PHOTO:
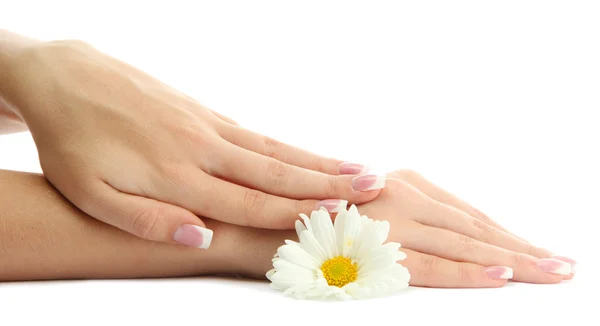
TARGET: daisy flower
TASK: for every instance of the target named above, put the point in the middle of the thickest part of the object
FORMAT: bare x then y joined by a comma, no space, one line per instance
344,260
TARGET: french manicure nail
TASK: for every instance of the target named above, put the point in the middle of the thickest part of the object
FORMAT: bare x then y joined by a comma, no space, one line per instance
352,168
565,259
499,272
333,205
368,182
554,266
193,236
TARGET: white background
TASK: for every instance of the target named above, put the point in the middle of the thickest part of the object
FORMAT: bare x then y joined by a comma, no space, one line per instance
495,101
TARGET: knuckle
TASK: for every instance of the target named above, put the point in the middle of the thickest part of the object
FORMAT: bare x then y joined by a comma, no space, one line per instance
254,207
173,173
270,146
397,185
407,175
194,135
277,172
67,46
320,163
400,190
464,274
531,250
333,186
484,231
302,206
465,245
427,266
517,259
145,220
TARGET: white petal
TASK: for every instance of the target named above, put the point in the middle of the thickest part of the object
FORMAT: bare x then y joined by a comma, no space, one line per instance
340,228
324,232
298,256
283,264
270,273
390,248
291,243
306,221
320,290
400,255
312,246
299,227
300,290
382,229
395,276
289,278
372,235
351,232
376,263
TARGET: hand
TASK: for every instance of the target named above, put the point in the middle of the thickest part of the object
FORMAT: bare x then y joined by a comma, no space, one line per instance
139,155
36,218
451,244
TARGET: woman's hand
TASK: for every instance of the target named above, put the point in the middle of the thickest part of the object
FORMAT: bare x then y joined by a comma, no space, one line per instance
47,238
137,154
451,244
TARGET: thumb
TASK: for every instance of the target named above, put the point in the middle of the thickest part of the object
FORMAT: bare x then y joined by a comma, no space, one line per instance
148,218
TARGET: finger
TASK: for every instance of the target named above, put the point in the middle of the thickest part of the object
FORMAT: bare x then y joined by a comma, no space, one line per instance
147,218
282,152
431,271
224,118
282,179
571,261
443,196
447,217
228,202
458,247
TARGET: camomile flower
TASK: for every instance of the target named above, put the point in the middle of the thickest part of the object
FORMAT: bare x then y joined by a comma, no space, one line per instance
344,260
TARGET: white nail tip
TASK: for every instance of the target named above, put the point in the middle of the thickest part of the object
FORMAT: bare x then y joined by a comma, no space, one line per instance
555,266
364,170
508,274
341,206
379,183
207,236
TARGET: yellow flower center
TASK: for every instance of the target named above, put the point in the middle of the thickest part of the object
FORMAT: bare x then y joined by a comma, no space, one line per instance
339,271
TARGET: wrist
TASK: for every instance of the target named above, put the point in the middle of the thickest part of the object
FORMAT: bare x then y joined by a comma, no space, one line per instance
12,48
245,251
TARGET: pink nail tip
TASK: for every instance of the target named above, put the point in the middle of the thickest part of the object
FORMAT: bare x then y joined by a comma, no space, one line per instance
499,272
565,259
193,236
333,205
368,182
352,168
554,266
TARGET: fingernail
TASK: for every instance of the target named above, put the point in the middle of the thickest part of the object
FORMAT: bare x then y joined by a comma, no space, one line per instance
352,168
333,205
368,182
499,272
193,236
565,259
554,266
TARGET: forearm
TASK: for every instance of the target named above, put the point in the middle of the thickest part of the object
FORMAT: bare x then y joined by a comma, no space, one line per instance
11,47
42,236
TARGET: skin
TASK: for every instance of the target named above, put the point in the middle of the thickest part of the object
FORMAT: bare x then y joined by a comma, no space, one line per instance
118,146
137,154
44,236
